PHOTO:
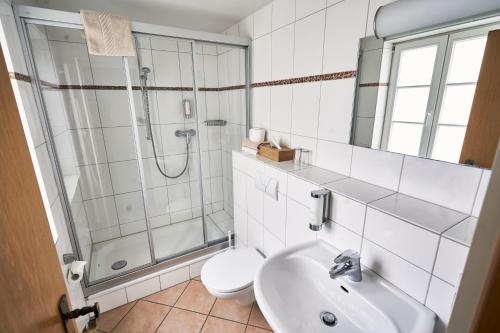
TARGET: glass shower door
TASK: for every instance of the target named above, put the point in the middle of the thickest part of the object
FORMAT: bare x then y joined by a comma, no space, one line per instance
167,122
87,110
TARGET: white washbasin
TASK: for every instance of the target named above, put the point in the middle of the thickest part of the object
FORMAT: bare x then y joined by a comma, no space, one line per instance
293,288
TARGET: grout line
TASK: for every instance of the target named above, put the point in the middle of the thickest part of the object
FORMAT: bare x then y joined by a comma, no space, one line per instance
432,270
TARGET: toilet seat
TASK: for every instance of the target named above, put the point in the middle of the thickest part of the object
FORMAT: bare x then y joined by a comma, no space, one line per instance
231,271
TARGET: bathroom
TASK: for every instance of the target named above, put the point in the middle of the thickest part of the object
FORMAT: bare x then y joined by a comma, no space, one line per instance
251,166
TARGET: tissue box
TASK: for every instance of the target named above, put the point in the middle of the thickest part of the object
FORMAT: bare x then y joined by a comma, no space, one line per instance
275,154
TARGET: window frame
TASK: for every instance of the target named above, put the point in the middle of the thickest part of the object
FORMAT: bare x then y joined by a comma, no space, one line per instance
437,86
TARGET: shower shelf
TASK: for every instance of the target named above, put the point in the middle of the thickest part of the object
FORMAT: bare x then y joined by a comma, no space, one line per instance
218,122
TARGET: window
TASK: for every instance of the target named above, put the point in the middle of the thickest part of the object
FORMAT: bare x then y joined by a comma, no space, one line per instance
432,86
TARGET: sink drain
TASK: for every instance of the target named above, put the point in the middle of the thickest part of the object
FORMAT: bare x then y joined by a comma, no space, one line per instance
328,318
119,264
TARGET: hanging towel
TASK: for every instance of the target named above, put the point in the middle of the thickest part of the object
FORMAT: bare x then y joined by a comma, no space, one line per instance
107,35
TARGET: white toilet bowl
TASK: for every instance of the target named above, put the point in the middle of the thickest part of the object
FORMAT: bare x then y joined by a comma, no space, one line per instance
229,275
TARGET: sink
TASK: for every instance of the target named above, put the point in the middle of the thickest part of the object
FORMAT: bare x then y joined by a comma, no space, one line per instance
295,293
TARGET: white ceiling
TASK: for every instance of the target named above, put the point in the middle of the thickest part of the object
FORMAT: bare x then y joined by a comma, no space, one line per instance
205,15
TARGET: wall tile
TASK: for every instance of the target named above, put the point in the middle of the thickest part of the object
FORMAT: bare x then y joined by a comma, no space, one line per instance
109,301
262,21
308,52
401,273
345,25
443,183
239,189
412,243
195,268
119,143
340,237
347,212
142,289
255,234
114,108
450,261
283,13
255,201
377,167
307,7
246,27
240,224
89,146
95,181
101,212
166,67
275,216
282,49
297,224
481,192
300,190
125,176
261,106
305,109
271,243
281,108
174,277
336,107
440,299
334,156
262,59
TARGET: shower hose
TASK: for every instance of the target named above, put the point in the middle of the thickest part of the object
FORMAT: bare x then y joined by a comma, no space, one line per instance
150,128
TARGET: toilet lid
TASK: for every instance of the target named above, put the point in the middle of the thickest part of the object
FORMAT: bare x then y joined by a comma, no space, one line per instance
231,271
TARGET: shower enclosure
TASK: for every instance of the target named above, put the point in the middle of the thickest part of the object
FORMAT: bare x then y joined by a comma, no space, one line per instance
141,145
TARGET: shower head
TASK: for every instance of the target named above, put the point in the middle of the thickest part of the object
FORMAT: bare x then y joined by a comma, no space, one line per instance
144,76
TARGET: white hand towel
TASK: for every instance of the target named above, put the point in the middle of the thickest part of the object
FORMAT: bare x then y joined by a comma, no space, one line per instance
107,35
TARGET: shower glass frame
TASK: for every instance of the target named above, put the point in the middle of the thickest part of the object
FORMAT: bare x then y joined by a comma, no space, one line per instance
26,15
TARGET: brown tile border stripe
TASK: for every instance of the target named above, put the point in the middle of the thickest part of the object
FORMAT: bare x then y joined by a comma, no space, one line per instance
302,79
19,76
305,79
374,84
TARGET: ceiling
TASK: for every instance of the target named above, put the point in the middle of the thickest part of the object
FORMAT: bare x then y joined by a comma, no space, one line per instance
204,15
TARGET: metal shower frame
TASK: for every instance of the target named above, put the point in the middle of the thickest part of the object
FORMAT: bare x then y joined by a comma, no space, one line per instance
33,15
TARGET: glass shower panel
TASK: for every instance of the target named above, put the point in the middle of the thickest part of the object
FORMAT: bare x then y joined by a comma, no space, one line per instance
88,113
170,144
222,120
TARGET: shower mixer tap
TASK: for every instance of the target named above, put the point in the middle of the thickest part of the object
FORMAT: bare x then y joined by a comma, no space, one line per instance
187,133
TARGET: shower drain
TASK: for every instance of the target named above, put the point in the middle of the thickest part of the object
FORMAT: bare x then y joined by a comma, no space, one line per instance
119,264
328,318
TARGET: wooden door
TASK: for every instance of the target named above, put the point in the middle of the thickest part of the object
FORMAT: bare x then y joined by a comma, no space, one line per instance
31,282
483,130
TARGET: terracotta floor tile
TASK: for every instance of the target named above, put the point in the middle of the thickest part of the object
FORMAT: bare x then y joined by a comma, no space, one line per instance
217,325
168,296
144,317
109,319
252,329
182,321
232,310
196,298
257,318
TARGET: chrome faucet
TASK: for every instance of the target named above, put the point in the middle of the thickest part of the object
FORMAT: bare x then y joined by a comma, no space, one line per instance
347,263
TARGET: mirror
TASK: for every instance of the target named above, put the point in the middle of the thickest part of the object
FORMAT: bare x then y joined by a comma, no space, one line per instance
415,95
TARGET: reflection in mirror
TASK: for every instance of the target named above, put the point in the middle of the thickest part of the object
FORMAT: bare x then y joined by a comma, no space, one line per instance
415,96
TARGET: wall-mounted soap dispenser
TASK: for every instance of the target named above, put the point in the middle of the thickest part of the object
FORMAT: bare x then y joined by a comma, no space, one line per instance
319,209
187,108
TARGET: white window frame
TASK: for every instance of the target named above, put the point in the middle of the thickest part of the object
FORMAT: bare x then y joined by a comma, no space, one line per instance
444,43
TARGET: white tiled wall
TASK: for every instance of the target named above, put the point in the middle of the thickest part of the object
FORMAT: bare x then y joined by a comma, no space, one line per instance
405,240
295,38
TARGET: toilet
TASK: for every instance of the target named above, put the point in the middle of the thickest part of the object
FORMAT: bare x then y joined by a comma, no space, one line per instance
230,274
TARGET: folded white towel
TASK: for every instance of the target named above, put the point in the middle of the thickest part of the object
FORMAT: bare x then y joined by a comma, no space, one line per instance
107,35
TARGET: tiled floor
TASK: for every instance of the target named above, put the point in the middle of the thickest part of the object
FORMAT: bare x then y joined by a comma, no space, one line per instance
184,308
168,240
